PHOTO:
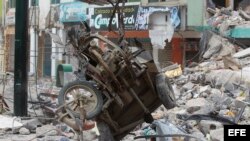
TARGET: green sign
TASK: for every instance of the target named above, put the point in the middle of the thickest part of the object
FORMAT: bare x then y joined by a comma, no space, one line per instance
101,16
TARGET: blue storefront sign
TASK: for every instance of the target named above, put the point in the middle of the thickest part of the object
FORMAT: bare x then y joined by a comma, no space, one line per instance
73,12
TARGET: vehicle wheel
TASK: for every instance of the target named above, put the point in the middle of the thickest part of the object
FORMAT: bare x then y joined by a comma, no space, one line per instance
105,132
165,91
91,98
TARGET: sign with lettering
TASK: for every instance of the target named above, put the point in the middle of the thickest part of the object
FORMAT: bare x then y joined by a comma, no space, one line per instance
11,17
135,17
101,16
73,12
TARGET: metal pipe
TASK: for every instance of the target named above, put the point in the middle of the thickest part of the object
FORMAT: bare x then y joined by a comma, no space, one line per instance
106,67
21,58
135,96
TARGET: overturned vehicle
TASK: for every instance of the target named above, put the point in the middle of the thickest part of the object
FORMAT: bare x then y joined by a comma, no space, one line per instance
118,88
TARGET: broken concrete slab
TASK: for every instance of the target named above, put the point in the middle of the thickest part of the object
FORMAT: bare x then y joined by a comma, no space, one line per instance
46,130
242,53
9,122
231,63
227,49
31,124
214,46
206,88
206,110
206,126
197,134
24,131
188,86
216,96
217,135
196,104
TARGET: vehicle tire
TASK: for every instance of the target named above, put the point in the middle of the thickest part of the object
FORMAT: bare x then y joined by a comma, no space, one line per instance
83,89
105,132
165,91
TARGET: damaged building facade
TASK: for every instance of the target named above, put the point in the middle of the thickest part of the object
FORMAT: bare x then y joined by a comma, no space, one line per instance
201,45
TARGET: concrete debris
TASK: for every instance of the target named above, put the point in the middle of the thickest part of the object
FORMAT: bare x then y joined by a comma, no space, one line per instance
224,19
188,86
217,135
46,130
214,91
198,135
24,131
9,122
31,124
206,126
242,53
219,47
196,104
214,46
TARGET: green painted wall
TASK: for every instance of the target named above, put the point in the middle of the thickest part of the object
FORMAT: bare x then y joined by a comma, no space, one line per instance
240,32
134,0
195,12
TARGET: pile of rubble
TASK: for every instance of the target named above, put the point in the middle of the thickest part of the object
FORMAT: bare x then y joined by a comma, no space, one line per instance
209,94
225,19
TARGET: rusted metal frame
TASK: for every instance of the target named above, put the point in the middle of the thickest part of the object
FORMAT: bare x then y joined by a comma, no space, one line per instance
106,67
130,126
132,92
119,11
141,68
116,6
115,96
150,83
91,69
109,1
96,76
141,72
72,122
119,100
109,101
68,121
101,83
107,118
115,47
122,68
121,22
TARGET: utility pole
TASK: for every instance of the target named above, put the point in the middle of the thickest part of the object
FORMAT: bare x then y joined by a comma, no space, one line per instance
21,58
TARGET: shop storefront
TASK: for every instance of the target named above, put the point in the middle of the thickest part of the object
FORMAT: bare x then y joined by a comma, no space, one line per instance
137,24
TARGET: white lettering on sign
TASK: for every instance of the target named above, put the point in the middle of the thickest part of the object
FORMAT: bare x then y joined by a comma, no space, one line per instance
100,21
236,132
